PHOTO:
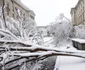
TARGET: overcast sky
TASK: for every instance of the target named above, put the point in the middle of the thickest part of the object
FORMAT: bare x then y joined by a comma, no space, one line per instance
47,10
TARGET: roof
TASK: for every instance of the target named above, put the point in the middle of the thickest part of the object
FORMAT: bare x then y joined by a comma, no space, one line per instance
75,5
79,40
32,12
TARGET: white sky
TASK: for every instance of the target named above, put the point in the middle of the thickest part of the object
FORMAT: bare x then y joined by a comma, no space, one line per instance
47,10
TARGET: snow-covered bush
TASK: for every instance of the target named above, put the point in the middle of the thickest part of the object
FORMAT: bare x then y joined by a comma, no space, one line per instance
79,31
61,29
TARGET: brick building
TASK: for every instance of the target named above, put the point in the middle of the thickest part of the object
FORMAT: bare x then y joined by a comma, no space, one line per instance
78,13
16,9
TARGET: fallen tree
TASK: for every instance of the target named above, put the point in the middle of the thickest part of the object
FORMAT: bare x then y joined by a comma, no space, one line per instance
14,53
35,52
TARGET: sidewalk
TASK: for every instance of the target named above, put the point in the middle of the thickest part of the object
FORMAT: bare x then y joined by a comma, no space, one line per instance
71,63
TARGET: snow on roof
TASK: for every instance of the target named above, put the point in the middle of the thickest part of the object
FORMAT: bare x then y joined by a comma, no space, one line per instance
79,40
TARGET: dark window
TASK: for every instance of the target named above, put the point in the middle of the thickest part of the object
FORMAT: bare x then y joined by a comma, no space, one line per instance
16,13
12,1
13,15
20,12
23,16
13,11
31,16
7,9
15,8
17,16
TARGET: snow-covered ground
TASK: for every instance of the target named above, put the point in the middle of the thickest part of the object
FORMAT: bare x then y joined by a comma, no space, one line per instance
71,63
48,41
68,62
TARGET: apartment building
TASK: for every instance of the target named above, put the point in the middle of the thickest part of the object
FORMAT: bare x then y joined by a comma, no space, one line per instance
78,13
16,9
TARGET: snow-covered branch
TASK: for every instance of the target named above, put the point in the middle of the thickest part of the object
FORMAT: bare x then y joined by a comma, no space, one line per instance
36,50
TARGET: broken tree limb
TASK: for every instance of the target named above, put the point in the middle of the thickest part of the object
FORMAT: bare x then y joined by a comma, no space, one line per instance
45,49
49,53
27,44
44,55
42,48
35,51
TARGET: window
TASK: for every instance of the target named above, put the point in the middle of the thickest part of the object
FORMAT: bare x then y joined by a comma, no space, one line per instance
23,16
17,17
12,1
16,13
83,8
20,12
7,9
31,16
12,11
13,15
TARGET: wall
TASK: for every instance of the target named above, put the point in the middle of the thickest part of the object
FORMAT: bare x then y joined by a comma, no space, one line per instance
16,10
78,13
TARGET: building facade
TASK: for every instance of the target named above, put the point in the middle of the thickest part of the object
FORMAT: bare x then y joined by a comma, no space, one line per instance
78,13
16,9
18,18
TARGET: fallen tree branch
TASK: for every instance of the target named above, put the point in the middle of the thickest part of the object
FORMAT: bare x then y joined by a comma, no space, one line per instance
42,48
41,56
49,53
38,52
